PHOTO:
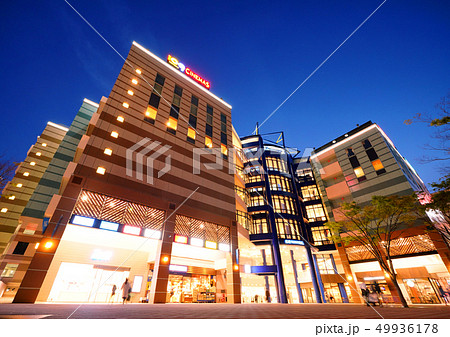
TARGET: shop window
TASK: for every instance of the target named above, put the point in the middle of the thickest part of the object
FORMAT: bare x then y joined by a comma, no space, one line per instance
10,270
172,125
21,247
150,114
208,142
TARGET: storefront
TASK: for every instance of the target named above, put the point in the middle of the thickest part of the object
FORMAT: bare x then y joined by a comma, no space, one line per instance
189,288
422,290
87,283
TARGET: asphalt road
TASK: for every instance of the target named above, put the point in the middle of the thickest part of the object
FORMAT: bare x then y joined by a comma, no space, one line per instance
220,311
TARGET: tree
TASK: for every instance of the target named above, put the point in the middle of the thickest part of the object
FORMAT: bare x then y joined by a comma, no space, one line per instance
375,227
7,169
439,208
442,134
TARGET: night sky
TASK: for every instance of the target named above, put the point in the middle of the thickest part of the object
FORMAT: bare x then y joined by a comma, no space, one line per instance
254,53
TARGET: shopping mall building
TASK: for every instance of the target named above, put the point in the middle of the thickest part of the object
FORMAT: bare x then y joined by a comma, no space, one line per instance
153,184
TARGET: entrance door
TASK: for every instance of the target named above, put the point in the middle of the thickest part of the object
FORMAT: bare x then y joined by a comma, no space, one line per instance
83,283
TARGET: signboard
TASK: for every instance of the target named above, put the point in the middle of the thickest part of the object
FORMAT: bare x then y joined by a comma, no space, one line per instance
188,71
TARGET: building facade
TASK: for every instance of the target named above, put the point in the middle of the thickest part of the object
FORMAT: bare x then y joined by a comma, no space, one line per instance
354,167
138,202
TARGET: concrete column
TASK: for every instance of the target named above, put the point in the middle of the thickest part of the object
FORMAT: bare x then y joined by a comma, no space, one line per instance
158,288
354,290
233,276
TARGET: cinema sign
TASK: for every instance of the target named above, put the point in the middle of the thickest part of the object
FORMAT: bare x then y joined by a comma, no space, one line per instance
186,70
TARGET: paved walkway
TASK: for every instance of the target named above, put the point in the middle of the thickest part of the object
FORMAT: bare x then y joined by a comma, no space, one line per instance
220,311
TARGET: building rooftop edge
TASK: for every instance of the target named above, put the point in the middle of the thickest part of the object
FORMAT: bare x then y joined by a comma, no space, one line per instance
88,101
58,126
148,52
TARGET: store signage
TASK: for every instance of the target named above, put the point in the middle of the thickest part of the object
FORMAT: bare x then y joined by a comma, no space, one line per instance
188,71
174,267
101,255
294,242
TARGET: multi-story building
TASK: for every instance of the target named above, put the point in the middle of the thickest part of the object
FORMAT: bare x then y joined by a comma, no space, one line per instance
354,167
142,199
32,222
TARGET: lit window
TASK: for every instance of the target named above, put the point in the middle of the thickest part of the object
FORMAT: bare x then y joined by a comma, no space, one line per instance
33,163
197,242
223,149
377,165
108,152
19,185
10,270
38,154
101,170
359,172
191,133
26,174
44,144
125,105
138,71
208,142
180,239
120,119
211,244
132,230
224,247
83,221
172,123
4,210
130,92
151,233
134,81
111,226
151,112
12,197
114,134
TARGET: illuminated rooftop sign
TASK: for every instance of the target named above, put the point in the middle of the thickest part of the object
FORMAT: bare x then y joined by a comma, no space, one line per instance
186,70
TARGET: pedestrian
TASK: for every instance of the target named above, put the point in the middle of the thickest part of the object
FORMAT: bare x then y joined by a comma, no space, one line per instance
443,295
113,292
126,289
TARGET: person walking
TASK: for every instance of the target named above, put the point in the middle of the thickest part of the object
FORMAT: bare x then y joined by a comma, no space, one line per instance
126,289
113,292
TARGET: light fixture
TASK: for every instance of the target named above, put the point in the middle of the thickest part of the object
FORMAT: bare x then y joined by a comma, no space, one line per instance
197,242
120,119
48,244
125,105
38,154
101,170
12,197
181,239
84,198
36,245
4,210
138,71
44,144
165,259
130,92
19,185
33,163
349,277
211,244
26,174
236,267
108,151
114,134
134,81
386,275
132,230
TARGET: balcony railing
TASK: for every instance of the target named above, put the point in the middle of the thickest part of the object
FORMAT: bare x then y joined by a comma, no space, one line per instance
244,219
242,193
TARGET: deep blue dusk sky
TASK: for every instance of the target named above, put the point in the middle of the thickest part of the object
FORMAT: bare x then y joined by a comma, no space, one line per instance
254,53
